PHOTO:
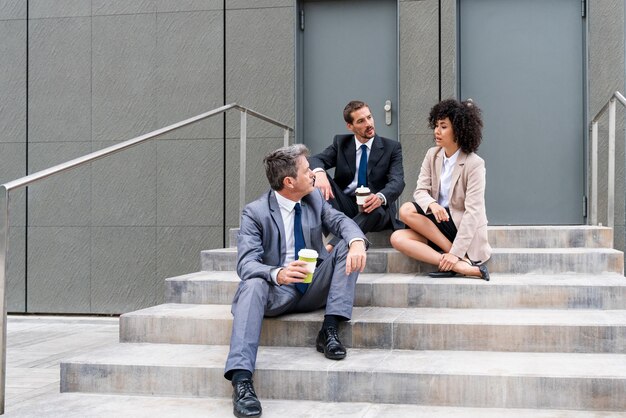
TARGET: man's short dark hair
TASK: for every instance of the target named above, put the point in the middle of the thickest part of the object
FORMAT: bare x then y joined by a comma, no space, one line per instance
351,107
283,163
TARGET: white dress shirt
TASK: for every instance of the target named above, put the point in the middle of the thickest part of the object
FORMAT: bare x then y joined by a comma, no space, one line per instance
446,178
288,213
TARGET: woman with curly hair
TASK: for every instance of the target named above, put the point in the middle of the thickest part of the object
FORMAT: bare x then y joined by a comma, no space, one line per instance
447,223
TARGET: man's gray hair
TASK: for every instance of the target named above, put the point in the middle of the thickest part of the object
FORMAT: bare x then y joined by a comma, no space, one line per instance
283,163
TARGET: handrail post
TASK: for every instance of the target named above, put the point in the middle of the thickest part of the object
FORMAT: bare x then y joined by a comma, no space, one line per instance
4,241
611,165
286,138
594,173
242,160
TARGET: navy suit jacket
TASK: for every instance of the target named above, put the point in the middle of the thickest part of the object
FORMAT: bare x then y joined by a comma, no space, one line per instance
261,240
385,173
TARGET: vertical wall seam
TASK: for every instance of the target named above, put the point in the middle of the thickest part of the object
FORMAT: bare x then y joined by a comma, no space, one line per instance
26,166
439,46
224,125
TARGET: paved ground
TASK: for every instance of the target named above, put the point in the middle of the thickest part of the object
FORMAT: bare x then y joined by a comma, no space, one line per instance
37,344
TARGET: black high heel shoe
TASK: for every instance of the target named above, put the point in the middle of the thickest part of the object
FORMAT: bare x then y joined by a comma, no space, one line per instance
484,273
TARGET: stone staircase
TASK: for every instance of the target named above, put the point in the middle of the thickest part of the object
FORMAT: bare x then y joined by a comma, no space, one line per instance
546,336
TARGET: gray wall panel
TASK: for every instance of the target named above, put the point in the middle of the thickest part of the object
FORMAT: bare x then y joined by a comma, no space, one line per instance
124,69
59,80
62,200
123,188
122,7
606,75
190,171
13,80
58,8
16,272
448,49
190,71
123,269
12,9
419,84
164,6
419,65
13,167
178,249
257,4
58,269
260,67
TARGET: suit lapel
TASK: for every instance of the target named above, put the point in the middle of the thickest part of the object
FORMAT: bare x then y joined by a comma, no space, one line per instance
376,154
278,220
437,173
458,168
348,151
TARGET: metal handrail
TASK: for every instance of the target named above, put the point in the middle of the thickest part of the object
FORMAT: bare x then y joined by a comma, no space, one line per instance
40,175
611,106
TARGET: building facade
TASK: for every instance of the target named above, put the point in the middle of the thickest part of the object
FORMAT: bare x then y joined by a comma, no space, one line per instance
80,75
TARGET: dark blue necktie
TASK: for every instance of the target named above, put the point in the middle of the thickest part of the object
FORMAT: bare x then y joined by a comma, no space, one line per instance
362,179
298,241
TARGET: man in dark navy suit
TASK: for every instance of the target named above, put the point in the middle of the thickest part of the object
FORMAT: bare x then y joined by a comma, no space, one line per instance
362,159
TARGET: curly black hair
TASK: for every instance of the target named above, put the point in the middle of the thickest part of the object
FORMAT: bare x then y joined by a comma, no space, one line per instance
466,122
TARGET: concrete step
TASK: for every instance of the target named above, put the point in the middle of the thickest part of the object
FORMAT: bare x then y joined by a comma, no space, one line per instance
80,405
530,330
552,236
563,291
503,260
442,378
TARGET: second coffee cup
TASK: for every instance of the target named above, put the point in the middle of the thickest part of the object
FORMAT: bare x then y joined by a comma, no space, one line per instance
361,194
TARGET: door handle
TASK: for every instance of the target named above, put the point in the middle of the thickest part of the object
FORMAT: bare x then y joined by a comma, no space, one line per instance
387,108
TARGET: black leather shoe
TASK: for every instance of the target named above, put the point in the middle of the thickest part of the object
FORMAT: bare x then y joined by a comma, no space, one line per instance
329,344
245,402
484,273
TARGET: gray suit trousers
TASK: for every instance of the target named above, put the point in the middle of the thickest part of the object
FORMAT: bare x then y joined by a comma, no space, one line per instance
257,298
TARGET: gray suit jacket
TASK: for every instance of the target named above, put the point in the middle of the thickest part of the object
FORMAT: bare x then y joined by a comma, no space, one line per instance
261,240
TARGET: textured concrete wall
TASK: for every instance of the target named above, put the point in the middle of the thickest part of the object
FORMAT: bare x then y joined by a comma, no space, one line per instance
13,136
606,74
104,237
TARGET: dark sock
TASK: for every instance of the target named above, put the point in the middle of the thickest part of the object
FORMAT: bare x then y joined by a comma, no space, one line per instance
332,321
240,374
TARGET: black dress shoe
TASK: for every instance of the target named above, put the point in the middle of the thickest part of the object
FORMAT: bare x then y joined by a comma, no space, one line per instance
245,402
329,344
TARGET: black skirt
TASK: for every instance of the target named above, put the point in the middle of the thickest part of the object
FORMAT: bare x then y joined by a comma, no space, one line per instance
447,228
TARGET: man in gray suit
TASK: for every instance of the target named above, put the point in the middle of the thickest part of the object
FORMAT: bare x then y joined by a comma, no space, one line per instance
271,274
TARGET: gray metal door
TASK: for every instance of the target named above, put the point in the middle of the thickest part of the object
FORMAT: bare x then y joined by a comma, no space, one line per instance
522,62
348,50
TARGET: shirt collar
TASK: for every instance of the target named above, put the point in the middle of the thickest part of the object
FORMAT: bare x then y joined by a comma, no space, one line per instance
368,144
285,203
452,158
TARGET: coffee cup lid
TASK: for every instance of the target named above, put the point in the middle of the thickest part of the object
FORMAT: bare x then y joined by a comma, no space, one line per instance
307,253
363,189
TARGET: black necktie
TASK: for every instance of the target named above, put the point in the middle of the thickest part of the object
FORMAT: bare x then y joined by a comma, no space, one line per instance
298,241
362,179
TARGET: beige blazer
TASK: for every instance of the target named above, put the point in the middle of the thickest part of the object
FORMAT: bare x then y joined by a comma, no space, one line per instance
467,200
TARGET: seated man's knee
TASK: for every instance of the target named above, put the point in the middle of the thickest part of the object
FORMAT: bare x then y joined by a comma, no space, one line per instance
255,286
407,209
